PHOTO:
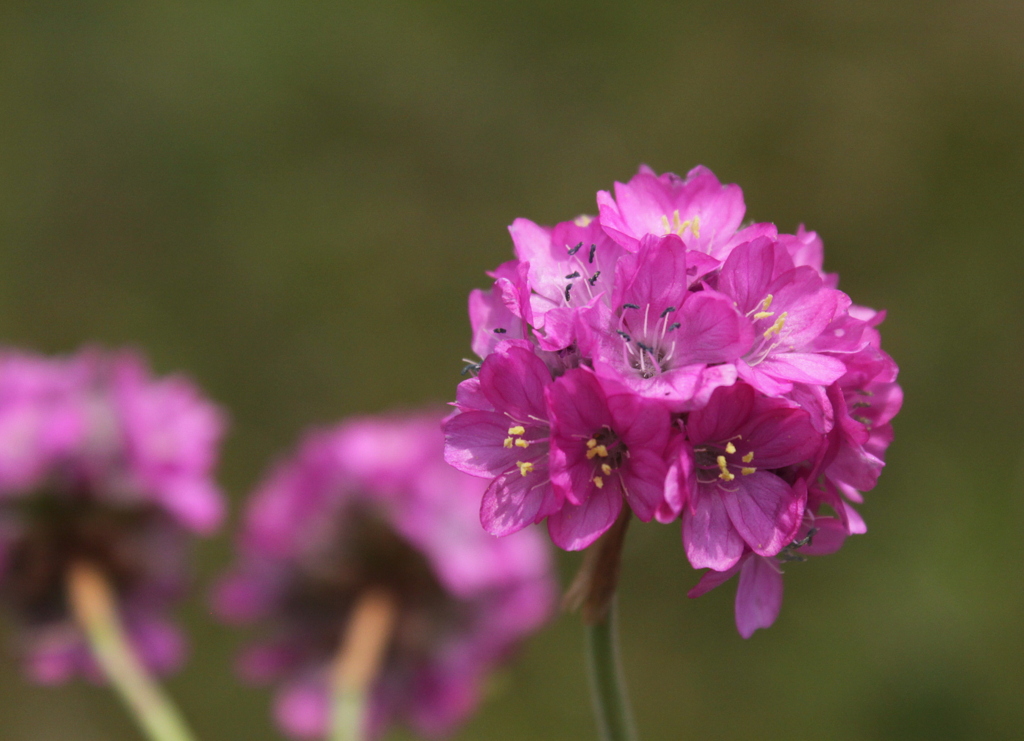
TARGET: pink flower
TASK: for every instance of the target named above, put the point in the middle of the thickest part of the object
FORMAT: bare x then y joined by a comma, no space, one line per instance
777,395
738,492
607,448
370,504
100,462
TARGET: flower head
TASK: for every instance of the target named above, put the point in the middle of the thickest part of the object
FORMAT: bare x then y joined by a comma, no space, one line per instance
665,358
371,505
100,463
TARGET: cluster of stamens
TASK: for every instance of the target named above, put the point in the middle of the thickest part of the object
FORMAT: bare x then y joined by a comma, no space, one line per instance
775,330
647,353
583,270
515,439
710,459
609,452
676,226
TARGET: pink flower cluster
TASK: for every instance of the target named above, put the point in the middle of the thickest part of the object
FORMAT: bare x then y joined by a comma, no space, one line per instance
370,504
102,463
665,357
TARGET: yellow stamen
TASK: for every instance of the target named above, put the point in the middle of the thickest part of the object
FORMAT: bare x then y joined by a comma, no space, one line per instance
525,467
522,443
599,482
764,314
695,227
517,430
766,304
591,443
606,469
730,448
777,327
726,474
600,450
666,225
747,471
508,442
583,220
748,457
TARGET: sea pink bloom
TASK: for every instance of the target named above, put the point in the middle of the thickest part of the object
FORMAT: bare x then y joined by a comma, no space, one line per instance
371,504
788,308
739,491
657,337
699,209
607,449
100,462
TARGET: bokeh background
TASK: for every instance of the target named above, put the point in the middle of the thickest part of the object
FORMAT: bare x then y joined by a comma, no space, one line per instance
290,200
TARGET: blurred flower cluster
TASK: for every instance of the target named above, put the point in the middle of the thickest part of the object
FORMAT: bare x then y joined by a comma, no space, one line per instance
100,463
664,357
371,505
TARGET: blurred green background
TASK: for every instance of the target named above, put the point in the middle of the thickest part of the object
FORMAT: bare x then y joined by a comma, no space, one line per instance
290,201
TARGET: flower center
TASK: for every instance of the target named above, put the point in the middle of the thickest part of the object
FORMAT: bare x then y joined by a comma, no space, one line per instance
720,461
648,347
677,227
769,326
607,452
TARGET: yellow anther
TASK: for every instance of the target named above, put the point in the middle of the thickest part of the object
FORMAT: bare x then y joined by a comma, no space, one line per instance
764,314
748,457
597,450
583,220
777,327
730,448
525,467
599,482
591,443
666,225
726,474
520,443
606,469
695,227
517,430
766,304
747,471
508,442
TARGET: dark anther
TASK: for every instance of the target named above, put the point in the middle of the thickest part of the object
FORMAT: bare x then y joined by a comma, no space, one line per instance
805,540
649,350
470,368
567,289
574,250
593,279
593,249
500,330
673,325
570,276
667,311
630,306
624,336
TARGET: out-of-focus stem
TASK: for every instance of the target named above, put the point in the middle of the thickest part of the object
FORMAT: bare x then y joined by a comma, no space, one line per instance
94,607
611,703
363,647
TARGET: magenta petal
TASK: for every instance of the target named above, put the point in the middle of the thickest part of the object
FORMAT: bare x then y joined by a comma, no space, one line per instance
303,710
712,330
804,367
513,501
643,483
712,579
575,527
765,511
513,380
710,540
758,596
474,443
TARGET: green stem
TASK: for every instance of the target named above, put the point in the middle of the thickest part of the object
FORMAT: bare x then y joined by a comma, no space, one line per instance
94,606
611,704
347,713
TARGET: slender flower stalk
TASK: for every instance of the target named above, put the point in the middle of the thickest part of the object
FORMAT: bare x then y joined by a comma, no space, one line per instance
94,607
363,648
611,703
593,592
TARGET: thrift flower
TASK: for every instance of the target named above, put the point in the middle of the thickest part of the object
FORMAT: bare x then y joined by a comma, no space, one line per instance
741,390
371,506
103,464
